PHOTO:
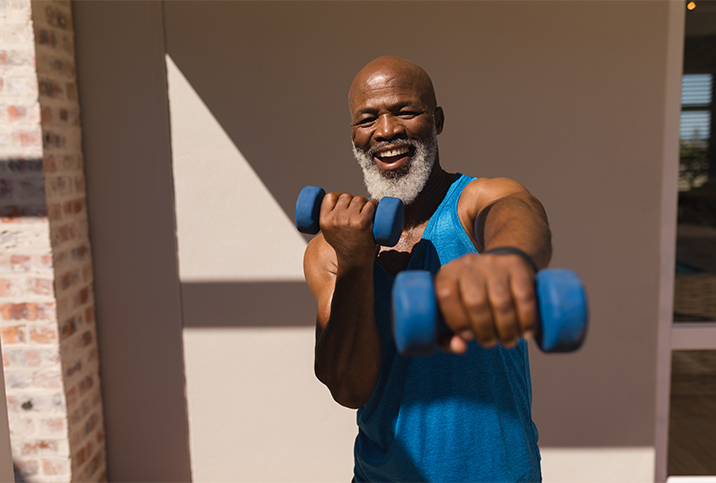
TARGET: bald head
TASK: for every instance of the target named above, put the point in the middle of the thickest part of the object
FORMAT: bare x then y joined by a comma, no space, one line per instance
391,71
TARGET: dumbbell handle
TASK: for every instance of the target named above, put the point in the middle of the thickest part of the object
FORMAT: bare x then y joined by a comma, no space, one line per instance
387,222
561,322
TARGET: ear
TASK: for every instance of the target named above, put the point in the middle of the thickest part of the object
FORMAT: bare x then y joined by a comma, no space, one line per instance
439,119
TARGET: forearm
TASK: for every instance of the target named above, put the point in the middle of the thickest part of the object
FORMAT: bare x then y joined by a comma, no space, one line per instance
348,353
518,221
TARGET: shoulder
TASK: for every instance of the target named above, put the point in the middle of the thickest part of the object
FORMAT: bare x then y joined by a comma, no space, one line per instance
482,192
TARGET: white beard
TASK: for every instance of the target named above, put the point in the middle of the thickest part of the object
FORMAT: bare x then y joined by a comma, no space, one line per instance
405,183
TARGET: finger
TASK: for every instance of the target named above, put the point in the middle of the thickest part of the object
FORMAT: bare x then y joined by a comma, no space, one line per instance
369,207
525,301
451,343
344,201
503,311
457,345
450,305
329,202
357,203
475,300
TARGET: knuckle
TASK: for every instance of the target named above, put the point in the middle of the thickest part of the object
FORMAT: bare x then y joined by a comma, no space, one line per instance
524,297
476,303
332,196
502,305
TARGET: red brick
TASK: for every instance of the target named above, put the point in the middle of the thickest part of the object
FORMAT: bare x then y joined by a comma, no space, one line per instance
39,447
27,311
21,357
47,381
6,311
54,212
53,424
89,314
86,384
81,297
71,397
16,112
43,334
28,139
56,467
14,334
6,288
33,358
41,286
46,115
50,163
86,339
22,426
80,456
20,263
75,417
69,327
46,260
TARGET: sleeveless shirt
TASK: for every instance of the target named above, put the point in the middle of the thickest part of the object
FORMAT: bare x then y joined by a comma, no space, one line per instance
446,417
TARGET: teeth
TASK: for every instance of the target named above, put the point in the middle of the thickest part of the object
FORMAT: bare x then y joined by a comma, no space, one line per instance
394,152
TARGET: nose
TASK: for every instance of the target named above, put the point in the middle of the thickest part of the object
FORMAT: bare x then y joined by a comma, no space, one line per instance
388,127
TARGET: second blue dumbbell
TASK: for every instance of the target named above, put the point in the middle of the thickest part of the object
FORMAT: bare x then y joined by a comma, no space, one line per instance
562,313
387,223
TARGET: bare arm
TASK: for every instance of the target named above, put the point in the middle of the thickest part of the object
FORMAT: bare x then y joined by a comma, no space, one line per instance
339,270
491,297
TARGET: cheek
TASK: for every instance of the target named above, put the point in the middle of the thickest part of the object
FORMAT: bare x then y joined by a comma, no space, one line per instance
360,140
420,130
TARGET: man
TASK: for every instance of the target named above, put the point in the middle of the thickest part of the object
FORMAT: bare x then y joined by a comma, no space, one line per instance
462,414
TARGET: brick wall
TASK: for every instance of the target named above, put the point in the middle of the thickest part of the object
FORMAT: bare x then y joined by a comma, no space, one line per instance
46,301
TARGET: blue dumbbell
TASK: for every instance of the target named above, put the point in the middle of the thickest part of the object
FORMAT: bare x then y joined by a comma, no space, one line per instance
561,323
387,223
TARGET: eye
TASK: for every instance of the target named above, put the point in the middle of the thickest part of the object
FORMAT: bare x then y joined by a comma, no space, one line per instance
406,113
365,121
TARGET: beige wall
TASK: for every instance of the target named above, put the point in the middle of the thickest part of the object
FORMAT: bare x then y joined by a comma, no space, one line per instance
566,97
122,81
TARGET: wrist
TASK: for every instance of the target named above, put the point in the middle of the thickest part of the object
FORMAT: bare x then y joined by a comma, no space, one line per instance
510,250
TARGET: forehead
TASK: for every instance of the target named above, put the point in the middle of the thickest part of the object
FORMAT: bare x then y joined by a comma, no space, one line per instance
387,88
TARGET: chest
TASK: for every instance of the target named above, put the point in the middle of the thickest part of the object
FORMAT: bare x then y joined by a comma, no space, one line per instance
395,259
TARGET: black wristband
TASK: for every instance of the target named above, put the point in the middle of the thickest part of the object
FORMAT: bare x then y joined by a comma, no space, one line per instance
508,250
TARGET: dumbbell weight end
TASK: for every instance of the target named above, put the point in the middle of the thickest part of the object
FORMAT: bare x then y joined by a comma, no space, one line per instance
562,309
308,209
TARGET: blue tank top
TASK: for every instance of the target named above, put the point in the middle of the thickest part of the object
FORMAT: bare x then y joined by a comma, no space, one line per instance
446,417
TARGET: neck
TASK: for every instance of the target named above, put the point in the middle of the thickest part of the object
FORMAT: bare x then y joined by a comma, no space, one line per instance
437,186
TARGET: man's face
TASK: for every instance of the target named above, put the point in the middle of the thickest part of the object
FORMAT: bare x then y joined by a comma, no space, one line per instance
394,134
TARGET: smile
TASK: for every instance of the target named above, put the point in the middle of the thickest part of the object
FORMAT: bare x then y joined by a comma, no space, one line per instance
391,153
